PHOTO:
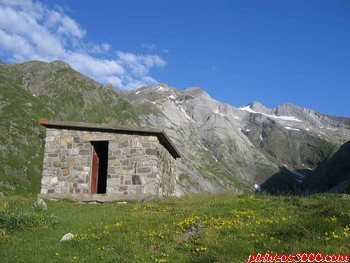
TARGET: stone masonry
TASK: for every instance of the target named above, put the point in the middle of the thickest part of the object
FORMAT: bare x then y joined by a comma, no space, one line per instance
138,163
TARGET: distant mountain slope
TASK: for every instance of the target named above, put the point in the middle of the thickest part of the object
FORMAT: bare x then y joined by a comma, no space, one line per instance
332,175
244,144
223,148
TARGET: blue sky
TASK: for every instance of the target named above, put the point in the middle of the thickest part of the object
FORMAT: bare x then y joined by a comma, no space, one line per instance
238,51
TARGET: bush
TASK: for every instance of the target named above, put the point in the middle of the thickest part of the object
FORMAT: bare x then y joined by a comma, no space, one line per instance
18,217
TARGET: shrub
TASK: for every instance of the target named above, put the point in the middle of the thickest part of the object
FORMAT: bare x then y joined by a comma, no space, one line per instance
16,216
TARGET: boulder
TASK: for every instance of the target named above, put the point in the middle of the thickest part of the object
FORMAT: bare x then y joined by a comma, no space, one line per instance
67,237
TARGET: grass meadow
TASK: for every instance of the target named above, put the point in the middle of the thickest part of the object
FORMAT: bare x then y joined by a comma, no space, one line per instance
200,228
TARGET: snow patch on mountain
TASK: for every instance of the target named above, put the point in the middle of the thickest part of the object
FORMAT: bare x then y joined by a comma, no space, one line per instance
160,88
291,128
286,118
186,115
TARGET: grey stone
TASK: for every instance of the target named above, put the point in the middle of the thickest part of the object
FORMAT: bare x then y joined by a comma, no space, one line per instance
151,151
144,170
136,180
84,152
123,144
73,152
127,182
40,204
67,237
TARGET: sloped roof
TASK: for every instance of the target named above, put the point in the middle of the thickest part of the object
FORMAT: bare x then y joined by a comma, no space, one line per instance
162,137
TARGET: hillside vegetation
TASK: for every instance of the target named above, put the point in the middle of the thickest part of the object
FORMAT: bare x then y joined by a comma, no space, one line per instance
202,228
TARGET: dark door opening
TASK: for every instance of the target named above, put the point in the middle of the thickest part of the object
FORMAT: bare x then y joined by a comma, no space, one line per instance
99,167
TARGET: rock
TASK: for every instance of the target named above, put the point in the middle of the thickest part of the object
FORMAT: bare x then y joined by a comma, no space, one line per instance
67,237
93,203
345,196
40,204
122,203
194,229
1,194
54,200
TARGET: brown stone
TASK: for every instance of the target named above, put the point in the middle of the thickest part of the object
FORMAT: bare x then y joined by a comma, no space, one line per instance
56,164
71,162
122,188
152,138
65,172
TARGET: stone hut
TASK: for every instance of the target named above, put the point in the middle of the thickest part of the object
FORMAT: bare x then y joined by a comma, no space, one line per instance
85,162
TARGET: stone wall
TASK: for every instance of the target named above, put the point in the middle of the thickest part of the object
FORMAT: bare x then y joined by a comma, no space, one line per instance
137,164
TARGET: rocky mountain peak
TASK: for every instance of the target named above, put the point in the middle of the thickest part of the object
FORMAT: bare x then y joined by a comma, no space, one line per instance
60,64
258,107
196,91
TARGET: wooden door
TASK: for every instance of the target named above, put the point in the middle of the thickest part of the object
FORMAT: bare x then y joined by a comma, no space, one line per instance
94,171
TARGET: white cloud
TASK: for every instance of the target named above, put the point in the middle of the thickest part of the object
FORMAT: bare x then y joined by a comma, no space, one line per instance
96,48
105,47
69,27
166,50
30,30
139,65
151,46
117,82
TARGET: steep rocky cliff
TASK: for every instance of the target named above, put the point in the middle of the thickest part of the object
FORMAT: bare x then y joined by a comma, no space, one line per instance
228,148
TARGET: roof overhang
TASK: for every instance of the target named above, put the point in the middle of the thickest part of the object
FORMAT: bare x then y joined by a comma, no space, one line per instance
162,137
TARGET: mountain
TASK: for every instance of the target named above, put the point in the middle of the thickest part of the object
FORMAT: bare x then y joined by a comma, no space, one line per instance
331,176
223,148
231,148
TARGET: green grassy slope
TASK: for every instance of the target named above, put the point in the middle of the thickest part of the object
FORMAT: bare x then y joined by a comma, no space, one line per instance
224,229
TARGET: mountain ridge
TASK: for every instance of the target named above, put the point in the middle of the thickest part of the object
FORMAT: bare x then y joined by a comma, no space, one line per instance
224,148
